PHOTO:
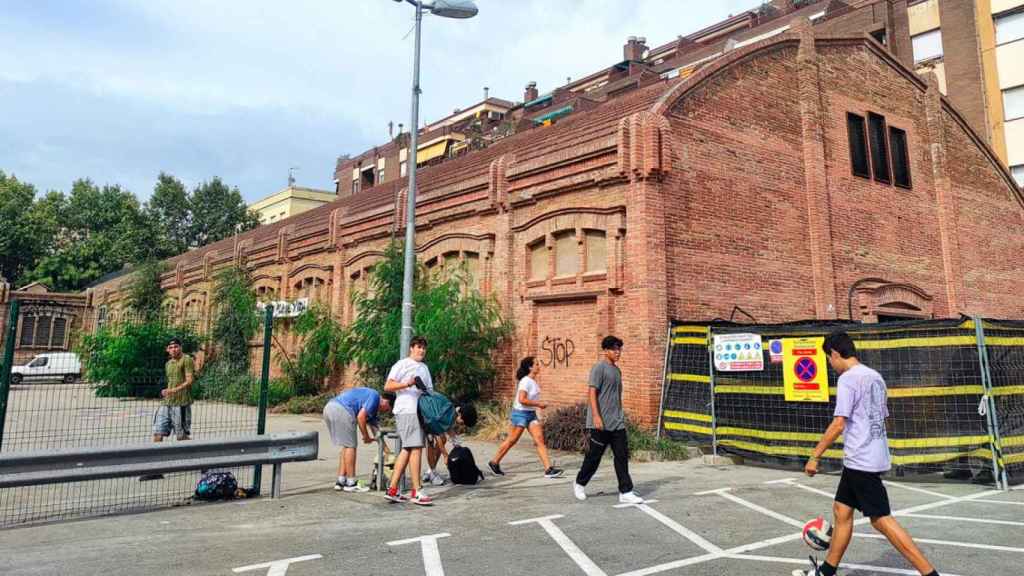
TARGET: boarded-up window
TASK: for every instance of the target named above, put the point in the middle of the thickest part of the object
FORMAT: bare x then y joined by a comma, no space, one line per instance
43,331
858,145
451,261
900,157
567,254
538,261
879,148
60,329
472,260
28,330
597,251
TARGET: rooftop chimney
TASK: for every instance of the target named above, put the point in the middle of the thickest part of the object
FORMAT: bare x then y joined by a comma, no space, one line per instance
530,93
634,48
486,90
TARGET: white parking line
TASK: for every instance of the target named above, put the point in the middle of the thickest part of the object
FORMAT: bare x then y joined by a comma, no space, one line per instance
431,554
276,567
947,543
963,519
578,556
916,489
846,565
724,493
679,528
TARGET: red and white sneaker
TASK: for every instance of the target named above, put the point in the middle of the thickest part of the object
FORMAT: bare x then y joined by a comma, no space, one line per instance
421,498
395,496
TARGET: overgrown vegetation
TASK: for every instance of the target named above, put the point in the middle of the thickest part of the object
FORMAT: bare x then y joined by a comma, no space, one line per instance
127,360
145,296
493,422
323,351
565,429
462,327
643,441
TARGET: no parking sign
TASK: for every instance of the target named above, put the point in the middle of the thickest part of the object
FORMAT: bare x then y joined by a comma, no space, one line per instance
804,370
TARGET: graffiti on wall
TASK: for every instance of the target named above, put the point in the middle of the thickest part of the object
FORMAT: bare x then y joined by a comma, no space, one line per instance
556,352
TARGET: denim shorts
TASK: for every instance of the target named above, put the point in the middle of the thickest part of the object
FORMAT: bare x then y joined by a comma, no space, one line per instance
522,418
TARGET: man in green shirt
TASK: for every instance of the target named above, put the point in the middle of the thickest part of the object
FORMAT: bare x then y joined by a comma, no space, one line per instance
175,411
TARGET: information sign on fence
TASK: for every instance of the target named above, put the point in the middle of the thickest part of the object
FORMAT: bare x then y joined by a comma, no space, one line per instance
738,353
804,370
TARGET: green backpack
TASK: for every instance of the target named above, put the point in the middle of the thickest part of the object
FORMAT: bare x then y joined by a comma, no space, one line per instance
437,413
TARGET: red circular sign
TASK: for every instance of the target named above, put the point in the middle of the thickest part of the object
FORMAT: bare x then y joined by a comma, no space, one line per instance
805,369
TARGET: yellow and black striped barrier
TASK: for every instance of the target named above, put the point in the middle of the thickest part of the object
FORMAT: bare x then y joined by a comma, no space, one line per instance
948,408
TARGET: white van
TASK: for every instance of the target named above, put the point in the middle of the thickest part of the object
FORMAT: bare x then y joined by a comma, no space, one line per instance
64,366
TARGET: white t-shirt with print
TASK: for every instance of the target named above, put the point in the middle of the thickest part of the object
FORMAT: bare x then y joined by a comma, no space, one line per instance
407,399
529,385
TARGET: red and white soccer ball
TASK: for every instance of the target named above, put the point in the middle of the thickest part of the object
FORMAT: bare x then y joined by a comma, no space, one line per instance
818,534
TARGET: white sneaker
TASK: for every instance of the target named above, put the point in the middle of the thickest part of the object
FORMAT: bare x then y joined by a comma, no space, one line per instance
355,488
630,498
436,479
579,491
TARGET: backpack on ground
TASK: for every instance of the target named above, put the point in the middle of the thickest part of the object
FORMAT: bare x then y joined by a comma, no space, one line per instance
437,413
462,467
216,486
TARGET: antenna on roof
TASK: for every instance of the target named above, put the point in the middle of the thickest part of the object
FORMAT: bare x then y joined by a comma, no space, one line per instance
291,178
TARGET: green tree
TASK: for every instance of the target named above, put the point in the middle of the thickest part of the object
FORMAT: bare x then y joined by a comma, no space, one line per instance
217,212
169,210
463,328
100,229
323,351
127,359
235,319
25,228
145,296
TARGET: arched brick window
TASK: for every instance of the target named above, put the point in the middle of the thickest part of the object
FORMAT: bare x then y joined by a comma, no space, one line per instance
881,301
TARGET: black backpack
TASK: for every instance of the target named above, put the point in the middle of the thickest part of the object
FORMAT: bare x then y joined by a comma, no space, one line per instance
462,468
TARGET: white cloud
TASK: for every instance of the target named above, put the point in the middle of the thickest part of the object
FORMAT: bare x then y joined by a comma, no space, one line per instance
321,77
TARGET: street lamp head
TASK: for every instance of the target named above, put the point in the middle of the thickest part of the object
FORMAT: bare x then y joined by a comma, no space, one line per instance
453,8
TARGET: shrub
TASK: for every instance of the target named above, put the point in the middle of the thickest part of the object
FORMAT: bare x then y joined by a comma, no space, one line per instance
493,422
127,360
565,428
307,404
663,448
219,381
322,353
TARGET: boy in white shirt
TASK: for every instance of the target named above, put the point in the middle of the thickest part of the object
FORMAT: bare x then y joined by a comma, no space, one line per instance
402,382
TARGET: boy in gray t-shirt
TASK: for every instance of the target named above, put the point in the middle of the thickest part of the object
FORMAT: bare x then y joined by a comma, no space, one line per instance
606,423
860,416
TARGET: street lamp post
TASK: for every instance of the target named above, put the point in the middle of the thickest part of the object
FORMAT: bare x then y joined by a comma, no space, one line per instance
447,9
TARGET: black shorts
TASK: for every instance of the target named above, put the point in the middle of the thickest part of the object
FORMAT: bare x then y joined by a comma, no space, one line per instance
863,491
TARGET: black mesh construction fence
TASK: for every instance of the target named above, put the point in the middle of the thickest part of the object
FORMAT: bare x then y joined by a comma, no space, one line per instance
84,378
940,396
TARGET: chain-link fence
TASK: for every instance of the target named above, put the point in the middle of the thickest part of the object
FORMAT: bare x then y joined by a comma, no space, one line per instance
84,378
955,395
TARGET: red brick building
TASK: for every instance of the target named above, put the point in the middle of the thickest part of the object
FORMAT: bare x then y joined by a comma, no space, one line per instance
806,174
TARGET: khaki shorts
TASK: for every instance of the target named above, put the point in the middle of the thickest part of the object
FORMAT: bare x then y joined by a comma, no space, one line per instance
409,430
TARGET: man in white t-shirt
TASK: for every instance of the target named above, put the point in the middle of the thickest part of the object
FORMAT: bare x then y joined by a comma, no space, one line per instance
408,378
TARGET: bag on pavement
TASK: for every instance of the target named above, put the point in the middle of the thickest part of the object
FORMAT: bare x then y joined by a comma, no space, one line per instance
216,486
462,467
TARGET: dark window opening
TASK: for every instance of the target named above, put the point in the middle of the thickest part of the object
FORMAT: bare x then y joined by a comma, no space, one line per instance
879,148
900,157
858,145
883,318
879,35
367,177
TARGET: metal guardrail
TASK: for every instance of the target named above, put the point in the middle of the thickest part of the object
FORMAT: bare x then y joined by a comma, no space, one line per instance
53,467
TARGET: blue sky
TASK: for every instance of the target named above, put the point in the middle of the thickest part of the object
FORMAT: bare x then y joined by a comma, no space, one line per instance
118,90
